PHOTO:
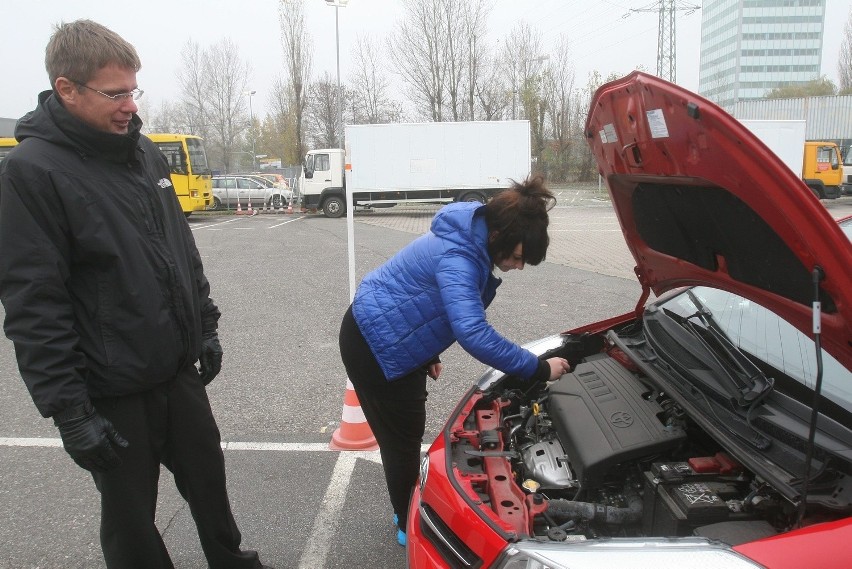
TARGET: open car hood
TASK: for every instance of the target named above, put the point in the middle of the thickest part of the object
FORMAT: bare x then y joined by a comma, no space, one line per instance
702,201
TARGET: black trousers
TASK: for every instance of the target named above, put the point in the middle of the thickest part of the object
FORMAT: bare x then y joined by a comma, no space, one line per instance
171,425
395,411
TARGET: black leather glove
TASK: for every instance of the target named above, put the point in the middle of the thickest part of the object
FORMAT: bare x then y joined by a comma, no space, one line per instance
211,358
88,438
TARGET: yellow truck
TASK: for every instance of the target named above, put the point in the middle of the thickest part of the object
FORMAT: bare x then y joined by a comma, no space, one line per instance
817,162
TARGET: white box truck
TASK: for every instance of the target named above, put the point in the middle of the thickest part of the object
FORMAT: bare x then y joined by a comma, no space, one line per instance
438,162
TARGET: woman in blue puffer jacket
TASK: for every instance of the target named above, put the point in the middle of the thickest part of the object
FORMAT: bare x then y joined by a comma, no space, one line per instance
430,294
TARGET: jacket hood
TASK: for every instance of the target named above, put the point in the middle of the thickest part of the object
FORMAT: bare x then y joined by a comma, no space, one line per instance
50,121
462,223
702,201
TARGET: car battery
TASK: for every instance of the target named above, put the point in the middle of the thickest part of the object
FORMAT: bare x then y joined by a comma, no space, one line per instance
678,499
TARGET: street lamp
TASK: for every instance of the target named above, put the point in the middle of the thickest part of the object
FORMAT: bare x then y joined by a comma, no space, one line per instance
251,126
337,5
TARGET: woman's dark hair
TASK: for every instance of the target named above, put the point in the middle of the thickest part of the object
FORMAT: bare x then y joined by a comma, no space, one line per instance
519,215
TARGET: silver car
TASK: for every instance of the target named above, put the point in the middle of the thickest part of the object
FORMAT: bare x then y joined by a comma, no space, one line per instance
231,191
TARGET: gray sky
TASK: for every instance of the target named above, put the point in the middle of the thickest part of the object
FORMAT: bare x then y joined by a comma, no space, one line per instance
605,35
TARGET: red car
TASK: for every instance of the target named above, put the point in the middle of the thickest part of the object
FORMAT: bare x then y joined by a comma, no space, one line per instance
712,426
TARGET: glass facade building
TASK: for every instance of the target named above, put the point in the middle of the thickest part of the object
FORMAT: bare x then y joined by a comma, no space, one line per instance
749,47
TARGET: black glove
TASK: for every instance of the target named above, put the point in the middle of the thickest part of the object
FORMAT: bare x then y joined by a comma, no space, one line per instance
211,358
88,438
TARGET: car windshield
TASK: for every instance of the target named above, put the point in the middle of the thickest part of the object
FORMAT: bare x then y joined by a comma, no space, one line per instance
764,335
846,226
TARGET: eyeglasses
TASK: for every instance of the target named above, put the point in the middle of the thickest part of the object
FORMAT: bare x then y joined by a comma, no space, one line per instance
135,94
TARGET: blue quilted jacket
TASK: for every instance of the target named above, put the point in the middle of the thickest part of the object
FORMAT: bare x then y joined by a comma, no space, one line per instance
434,292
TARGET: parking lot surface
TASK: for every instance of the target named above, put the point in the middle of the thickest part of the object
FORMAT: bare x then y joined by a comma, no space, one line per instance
281,282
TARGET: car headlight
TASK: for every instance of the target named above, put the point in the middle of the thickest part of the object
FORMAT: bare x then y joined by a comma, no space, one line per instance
424,470
696,553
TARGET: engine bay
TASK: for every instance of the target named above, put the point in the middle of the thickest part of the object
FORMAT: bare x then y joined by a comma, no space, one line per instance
602,453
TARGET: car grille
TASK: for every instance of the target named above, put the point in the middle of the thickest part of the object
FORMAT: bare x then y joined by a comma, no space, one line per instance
452,549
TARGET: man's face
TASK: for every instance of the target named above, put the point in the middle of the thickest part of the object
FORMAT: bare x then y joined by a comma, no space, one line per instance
96,110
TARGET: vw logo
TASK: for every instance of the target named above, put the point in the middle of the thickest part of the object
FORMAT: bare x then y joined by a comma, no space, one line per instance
621,419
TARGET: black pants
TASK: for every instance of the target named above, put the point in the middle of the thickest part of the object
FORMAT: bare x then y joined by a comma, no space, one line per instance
395,411
173,425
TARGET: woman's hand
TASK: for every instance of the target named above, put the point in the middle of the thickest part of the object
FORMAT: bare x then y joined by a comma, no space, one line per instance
558,367
434,370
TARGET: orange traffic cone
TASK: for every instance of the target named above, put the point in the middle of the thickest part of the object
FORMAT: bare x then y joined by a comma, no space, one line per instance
239,208
354,433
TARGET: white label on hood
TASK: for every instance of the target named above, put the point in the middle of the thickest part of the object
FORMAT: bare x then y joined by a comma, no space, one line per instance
608,134
657,123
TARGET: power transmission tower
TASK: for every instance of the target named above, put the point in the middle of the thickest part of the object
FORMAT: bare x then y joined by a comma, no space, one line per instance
666,44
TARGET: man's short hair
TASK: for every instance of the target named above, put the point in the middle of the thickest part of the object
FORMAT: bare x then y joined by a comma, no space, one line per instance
77,50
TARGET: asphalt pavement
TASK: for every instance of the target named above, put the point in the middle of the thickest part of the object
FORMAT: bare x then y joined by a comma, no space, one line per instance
281,282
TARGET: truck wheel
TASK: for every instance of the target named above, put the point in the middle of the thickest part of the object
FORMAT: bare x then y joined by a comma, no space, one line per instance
817,192
472,197
333,207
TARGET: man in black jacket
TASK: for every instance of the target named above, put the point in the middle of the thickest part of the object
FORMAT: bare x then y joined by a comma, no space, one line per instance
107,303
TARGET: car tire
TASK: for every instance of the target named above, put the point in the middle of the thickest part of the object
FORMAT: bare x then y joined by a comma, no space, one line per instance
217,203
276,201
334,207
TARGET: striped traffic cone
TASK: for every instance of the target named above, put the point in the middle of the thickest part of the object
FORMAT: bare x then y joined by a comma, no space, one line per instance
354,433
239,208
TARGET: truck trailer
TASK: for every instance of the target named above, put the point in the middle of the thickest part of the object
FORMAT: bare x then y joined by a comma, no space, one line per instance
438,162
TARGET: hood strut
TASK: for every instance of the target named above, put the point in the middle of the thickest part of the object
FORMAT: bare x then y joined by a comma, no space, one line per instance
817,275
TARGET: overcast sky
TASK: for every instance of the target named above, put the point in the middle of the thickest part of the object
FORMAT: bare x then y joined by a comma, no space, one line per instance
605,35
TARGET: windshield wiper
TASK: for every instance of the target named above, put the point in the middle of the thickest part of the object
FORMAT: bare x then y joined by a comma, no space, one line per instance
742,378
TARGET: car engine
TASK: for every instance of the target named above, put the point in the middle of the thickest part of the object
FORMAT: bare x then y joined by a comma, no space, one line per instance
601,453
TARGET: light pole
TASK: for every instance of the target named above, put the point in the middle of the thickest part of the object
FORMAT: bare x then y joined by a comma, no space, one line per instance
251,126
337,5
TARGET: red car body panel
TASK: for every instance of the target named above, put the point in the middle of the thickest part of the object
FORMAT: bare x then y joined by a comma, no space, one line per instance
821,546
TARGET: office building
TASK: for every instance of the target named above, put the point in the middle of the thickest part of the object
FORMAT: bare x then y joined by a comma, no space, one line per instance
749,47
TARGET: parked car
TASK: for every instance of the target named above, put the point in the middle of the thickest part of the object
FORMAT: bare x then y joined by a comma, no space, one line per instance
244,189
709,427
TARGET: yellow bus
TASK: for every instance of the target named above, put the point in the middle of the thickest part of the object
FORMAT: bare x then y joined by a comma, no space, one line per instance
6,144
191,176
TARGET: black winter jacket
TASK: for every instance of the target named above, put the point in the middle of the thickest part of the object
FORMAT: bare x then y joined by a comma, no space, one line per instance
102,284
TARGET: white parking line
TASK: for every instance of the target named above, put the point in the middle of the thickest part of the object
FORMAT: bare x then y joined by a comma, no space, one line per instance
194,227
285,222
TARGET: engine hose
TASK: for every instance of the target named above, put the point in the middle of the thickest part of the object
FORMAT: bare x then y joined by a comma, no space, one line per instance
589,512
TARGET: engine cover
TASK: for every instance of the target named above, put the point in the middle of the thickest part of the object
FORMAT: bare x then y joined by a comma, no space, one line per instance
602,419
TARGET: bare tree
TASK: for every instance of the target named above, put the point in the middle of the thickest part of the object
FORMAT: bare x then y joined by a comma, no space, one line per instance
298,56
559,97
323,120
195,87
417,51
522,65
478,62
278,136
225,101
439,52
844,62
368,98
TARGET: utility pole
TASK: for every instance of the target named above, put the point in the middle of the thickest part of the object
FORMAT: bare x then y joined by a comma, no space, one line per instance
666,37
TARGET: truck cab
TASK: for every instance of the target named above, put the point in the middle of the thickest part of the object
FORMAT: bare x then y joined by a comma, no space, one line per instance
822,169
322,184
